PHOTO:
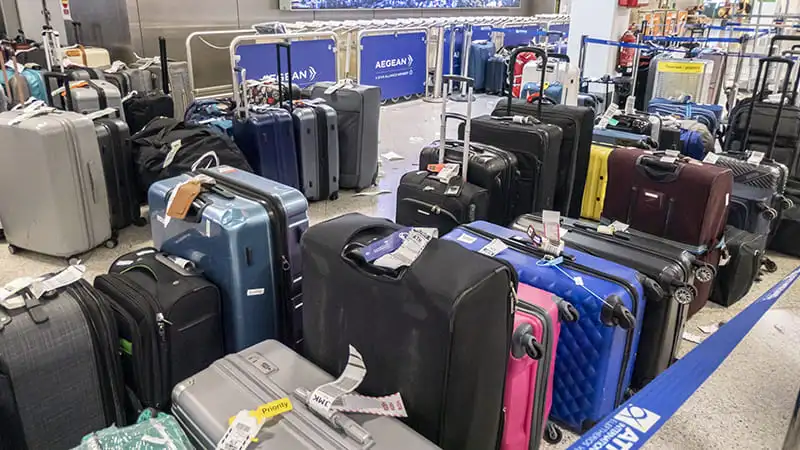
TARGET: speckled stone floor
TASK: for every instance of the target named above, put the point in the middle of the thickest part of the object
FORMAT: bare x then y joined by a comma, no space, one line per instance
746,404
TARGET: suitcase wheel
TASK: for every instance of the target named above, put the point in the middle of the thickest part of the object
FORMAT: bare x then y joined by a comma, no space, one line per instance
111,243
552,434
615,314
140,222
333,196
770,214
705,274
523,342
13,249
769,265
685,294
567,312
786,203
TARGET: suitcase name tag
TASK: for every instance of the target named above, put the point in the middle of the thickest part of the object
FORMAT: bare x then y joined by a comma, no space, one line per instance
711,158
755,158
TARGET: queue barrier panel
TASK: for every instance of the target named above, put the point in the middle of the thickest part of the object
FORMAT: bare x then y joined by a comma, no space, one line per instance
396,60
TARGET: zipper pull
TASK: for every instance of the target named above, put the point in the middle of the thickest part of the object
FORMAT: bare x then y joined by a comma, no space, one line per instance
162,322
285,263
513,297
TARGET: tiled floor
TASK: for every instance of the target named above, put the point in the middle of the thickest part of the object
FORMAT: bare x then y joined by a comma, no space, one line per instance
745,405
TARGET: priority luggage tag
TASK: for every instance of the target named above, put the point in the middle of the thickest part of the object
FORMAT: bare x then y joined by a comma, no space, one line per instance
454,187
182,199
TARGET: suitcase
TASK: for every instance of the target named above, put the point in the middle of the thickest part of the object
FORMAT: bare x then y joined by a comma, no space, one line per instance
77,73
316,136
679,199
671,270
496,75
529,380
553,91
59,379
168,320
558,71
267,372
244,236
180,88
479,54
358,109
591,376
352,302
785,239
490,168
217,113
425,201
576,123
92,96
88,56
267,137
734,279
128,80
618,138
69,214
708,115
146,105
594,193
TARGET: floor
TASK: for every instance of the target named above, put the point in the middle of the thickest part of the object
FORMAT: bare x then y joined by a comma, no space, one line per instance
746,404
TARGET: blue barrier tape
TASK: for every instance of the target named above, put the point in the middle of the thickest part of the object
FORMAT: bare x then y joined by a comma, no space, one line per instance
636,421
689,39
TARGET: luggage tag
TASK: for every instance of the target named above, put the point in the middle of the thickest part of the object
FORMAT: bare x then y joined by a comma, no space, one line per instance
552,225
755,158
380,247
64,278
448,171
332,89
181,201
711,158
240,433
116,66
435,168
454,187
321,399
409,250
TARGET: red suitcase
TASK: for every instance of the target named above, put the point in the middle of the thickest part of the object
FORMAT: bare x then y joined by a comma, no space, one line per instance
680,199
519,64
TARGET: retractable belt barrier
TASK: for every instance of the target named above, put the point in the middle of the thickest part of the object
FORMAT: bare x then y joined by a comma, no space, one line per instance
639,418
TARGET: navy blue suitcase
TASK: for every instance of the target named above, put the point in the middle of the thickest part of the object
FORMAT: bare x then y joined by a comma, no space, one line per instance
496,73
596,354
479,54
266,137
245,236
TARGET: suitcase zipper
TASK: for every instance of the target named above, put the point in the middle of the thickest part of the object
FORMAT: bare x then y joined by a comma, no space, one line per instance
670,204
434,209
323,164
627,285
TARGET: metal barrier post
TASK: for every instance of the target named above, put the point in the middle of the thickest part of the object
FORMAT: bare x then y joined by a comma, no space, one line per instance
464,95
436,95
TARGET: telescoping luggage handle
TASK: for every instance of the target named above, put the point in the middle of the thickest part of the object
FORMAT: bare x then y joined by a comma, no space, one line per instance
540,54
288,47
447,79
758,96
162,52
60,78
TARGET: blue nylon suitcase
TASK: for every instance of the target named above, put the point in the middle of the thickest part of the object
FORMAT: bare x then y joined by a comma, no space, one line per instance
708,115
594,361
246,240
496,73
479,54
266,137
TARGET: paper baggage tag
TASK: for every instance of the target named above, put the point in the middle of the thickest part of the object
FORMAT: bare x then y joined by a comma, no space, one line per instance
672,153
380,247
755,158
613,122
454,187
333,88
435,168
711,158
239,434
618,226
412,246
268,411
174,146
552,225
181,200
448,172
64,278
493,248
668,159
321,399
390,405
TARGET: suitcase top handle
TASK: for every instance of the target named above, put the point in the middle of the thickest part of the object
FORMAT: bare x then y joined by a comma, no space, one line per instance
540,54
658,170
61,79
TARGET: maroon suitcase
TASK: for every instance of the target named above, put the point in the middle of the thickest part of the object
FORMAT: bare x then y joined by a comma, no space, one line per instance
684,201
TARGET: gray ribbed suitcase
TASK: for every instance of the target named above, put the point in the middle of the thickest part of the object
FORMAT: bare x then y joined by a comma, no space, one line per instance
59,379
89,96
179,86
55,199
317,140
265,372
358,107
133,79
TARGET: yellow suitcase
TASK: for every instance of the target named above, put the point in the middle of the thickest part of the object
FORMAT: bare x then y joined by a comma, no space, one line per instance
594,194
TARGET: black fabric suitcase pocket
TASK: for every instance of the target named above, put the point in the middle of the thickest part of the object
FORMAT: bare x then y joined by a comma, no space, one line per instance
735,278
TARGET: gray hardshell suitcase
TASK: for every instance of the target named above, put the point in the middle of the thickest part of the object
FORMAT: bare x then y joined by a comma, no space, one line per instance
179,86
62,209
89,96
59,378
270,371
317,140
128,80
358,107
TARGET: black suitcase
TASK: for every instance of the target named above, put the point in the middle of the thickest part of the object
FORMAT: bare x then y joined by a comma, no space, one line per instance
143,107
736,277
493,169
60,378
577,123
113,137
169,322
785,240
437,331
424,201
670,269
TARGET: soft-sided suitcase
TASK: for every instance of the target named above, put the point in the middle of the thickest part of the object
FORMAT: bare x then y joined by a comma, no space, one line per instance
479,54
496,75
349,301
267,372
618,138
423,200
734,279
576,123
316,136
214,112
708,115
785,238
59,375
591,376
69,214
594,193
358,108
669,264
169,323
267,138
491,168
244,236
146,105
677,198
529,379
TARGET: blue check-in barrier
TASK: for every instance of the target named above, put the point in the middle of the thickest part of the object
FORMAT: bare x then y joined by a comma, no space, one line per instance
313,60
395,60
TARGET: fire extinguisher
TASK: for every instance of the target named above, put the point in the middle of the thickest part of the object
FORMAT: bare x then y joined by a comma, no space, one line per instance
629,3
626,55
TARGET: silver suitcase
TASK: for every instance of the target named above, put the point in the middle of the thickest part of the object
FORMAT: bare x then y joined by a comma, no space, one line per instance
59,374
317,140
90,96
179,87
134,79
270,371
51,172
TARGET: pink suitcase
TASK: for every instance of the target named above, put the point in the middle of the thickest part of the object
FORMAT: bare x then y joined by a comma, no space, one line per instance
529,380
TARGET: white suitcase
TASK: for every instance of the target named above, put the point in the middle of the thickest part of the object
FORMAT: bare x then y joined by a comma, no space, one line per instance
558,70
88,56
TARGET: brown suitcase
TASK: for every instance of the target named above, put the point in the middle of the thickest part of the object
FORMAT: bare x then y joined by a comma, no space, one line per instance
684,201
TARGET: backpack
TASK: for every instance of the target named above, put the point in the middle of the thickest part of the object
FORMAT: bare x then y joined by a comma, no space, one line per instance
166,148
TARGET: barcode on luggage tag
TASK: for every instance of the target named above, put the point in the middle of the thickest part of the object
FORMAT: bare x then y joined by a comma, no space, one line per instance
711,158
755,158
493,248
467,239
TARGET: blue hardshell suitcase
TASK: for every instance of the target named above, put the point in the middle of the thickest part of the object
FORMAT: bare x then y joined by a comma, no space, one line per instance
496,74
246,240
596,354
266,137
479,54
622,139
